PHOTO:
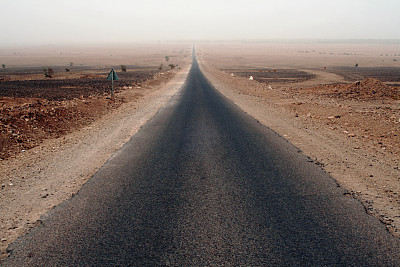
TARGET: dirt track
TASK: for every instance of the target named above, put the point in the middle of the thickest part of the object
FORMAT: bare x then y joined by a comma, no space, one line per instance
34,108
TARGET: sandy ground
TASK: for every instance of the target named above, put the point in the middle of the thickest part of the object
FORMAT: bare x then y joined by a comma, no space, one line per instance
98,56
40,178
355,140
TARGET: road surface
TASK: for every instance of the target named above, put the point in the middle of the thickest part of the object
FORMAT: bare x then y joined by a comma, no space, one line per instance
205,184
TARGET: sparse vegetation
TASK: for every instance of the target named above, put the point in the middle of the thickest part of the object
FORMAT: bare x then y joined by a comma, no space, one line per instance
161,67
71,64
167,58
123,68
48,72
67,70
172,66
3,65
355,66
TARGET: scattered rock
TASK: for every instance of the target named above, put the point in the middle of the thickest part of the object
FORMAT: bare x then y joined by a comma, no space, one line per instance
369,88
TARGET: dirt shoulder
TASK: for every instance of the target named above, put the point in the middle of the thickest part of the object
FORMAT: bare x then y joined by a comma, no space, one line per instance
40,178
355,140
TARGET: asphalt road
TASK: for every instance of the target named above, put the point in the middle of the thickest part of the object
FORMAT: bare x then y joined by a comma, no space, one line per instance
205,184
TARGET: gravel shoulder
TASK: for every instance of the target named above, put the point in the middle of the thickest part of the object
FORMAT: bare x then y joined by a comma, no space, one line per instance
42,177
344,137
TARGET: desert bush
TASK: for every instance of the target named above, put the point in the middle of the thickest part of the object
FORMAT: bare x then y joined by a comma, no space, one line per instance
123,68
3,65
66,69
48,72
355,66
172,66
161,67
167,58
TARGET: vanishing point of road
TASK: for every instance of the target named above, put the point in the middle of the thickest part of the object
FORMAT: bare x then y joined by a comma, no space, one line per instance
205,184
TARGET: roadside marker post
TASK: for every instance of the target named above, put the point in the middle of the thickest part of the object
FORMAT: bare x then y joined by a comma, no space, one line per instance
112,76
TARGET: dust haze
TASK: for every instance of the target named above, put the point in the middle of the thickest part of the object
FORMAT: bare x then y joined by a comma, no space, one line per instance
97,22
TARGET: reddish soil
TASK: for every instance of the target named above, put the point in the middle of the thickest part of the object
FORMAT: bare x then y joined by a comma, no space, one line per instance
372,112
61,87
33,110
367,89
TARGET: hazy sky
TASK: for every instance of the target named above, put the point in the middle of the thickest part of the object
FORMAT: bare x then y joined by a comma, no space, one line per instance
97,21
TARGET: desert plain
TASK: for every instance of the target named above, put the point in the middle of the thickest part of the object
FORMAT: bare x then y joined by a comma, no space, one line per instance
338,102
56,132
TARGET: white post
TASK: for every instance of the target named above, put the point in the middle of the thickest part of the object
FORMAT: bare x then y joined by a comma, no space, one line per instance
112,83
